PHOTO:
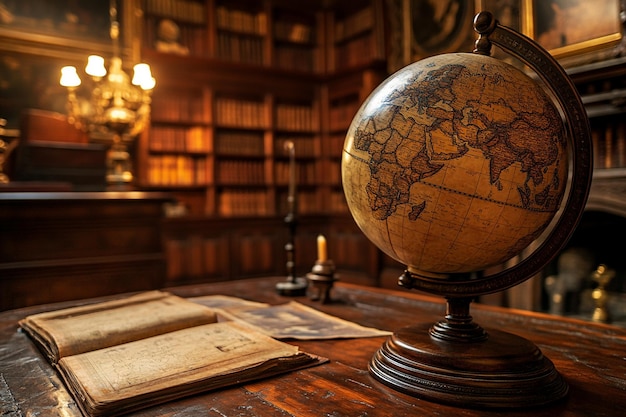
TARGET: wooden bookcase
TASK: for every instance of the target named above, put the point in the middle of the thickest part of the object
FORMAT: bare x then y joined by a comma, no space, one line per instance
254,75
355,34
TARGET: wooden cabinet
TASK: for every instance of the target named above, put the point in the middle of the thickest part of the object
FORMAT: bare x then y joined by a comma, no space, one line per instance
58,246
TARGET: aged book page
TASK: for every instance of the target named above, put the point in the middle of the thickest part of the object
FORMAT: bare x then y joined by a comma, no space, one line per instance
81,329
123,378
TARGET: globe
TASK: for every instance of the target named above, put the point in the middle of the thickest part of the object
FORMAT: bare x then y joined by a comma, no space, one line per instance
455,163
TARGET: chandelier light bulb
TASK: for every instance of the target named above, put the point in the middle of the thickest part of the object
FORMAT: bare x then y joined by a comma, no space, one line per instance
69,77
114,109
95,66
143,77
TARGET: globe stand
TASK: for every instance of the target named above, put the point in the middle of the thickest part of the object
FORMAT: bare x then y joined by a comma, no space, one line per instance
456,361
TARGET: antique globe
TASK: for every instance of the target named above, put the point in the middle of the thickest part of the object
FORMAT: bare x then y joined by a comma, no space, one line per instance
455,165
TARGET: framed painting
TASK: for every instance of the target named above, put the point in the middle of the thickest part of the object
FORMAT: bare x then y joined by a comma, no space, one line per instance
568,28
85,19
38,37
423,28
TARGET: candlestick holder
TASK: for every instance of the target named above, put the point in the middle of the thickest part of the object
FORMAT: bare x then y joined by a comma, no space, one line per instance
602,275
294,286
321,280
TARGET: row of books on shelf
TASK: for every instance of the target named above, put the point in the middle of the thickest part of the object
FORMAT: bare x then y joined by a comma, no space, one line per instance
336,202
609,146
295,59
354,24
178,108
244,172
304,146
333,171
351,54
251,202
296,117
177,170
239,143
176,139
307,202
232,112
236,112
304,173
244,21
341,114
242,49
194,39
333,144
179,10
243,203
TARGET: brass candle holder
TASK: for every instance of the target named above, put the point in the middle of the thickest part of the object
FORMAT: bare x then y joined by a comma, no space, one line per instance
321,280
294,286
602,275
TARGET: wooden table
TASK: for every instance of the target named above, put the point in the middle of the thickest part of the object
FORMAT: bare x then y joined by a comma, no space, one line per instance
591,357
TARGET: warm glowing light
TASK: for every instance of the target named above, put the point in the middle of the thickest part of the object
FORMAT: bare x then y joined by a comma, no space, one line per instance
69,77
322,255
110,107
95,66
143,77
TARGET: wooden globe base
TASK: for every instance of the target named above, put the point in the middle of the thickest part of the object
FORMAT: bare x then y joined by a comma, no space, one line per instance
494,369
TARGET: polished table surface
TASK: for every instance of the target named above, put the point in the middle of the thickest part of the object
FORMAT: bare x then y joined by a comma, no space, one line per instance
591,357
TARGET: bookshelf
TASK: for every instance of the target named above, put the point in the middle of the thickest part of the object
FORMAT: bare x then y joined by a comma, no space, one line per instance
356,35
241,29
249,77
297,40
246,78
343,94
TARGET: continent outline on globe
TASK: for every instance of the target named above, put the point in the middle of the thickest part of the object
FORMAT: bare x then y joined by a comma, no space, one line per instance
512,155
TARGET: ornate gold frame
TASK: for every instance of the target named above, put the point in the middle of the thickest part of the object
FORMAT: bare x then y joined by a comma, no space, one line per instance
596,46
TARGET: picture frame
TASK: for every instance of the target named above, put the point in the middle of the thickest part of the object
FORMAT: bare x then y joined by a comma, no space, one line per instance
61,29
39,37
574,30
423,28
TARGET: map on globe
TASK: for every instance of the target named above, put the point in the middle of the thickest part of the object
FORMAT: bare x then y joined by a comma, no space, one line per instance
455,163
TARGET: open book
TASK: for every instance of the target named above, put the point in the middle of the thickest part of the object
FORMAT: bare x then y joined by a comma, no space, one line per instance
119,356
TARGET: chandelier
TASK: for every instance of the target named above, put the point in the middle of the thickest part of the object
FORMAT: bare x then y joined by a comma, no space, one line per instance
115,107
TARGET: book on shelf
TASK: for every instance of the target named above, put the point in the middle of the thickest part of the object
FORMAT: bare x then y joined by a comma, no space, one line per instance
124,355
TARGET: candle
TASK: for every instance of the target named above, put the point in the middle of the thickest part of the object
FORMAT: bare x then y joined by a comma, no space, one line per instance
321,249
291,197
